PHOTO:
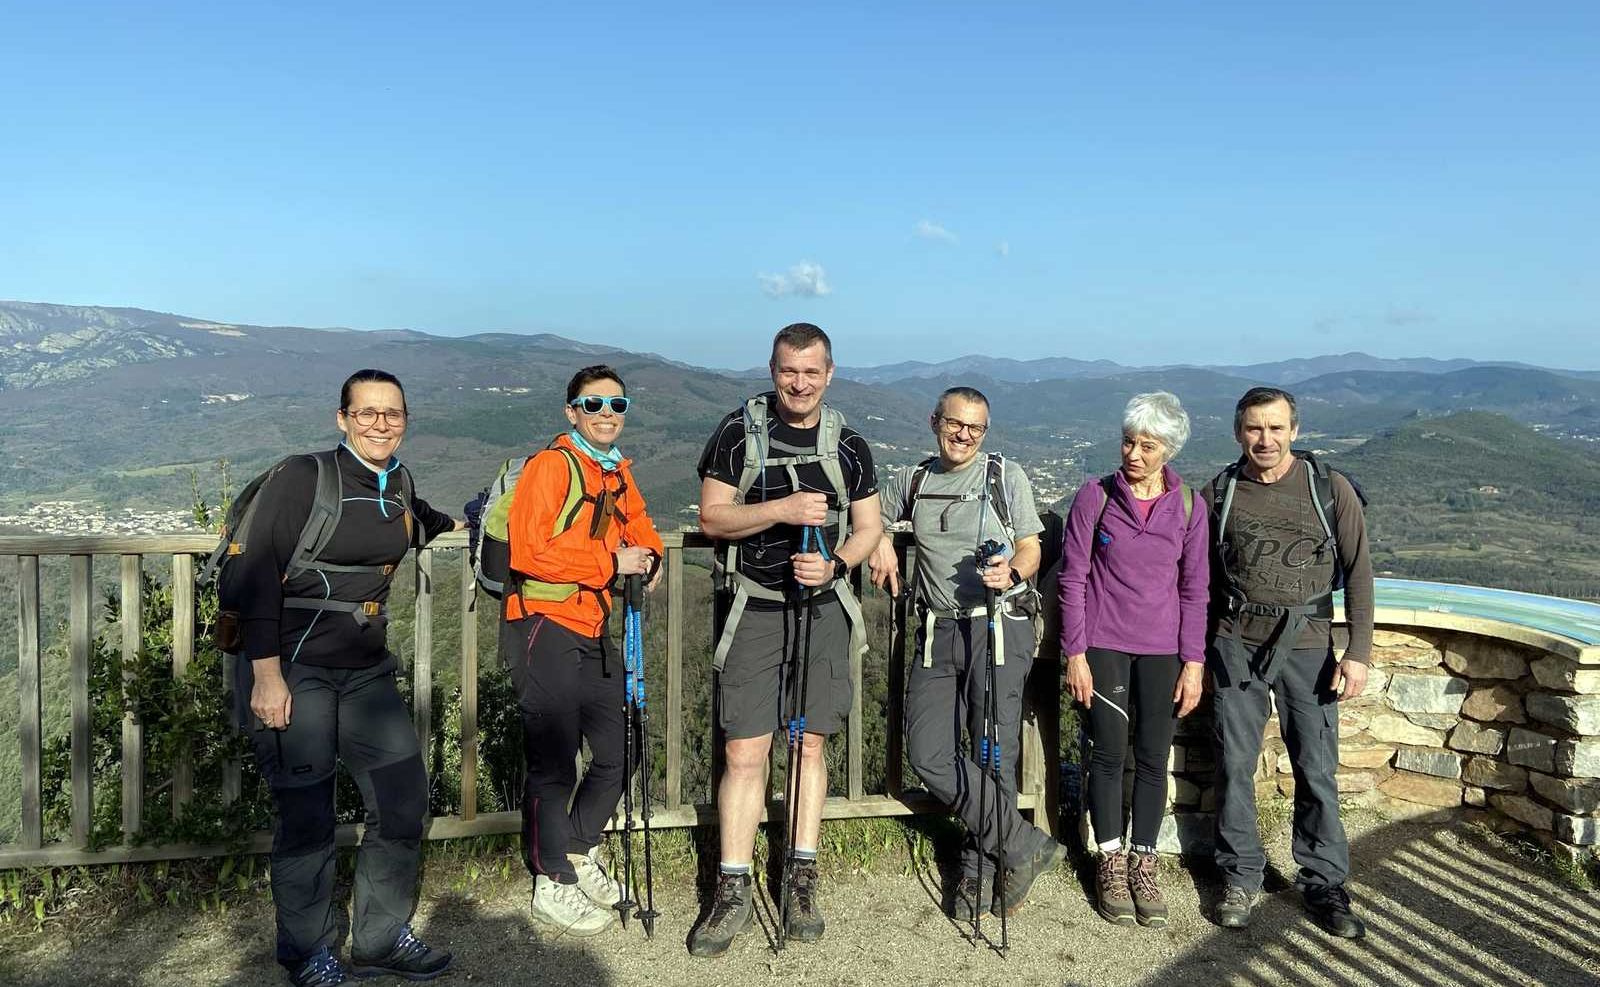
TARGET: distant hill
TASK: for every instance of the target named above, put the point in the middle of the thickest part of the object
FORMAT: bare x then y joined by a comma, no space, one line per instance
1479,498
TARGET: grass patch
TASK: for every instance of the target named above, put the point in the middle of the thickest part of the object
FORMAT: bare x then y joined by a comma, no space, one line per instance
1582,874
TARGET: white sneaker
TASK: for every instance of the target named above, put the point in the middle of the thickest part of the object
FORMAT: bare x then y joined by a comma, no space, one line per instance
594,880
563,909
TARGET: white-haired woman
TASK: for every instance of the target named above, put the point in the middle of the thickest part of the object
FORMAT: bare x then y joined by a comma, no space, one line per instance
1133,618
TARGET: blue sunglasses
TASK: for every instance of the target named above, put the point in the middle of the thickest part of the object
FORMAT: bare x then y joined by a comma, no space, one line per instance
593,404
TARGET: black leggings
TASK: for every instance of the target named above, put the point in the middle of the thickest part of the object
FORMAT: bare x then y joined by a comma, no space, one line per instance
1138,687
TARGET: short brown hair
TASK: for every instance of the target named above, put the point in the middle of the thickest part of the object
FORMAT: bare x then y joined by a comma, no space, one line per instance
799,336
1257,396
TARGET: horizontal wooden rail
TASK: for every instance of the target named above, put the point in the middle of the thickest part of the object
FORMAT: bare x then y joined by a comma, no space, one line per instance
673,809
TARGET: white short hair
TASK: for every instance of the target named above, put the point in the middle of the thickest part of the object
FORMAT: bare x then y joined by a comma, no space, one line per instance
1159,415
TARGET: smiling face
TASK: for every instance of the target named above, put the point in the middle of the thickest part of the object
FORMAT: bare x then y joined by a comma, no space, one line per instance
953,428
377,442
800,377
1142,457
1266,435
599,430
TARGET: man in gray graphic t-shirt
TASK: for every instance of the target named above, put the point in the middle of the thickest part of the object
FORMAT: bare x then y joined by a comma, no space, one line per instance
1287,530
955,503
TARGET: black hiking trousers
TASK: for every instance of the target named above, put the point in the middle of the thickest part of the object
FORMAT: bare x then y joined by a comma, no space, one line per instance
354,715
1134,689
570,690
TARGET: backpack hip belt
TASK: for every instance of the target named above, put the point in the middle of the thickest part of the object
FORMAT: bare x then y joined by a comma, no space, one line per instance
745,589
1285,633
361,612
1002,609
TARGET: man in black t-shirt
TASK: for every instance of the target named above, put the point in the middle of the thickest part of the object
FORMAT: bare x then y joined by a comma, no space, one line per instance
794,514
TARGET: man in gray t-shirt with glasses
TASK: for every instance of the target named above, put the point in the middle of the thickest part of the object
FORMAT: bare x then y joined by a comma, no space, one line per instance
955,503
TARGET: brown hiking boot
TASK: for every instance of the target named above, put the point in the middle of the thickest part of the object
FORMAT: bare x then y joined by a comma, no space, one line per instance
1113,900
1143,869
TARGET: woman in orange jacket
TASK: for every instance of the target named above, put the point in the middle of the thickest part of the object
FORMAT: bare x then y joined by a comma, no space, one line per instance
577,524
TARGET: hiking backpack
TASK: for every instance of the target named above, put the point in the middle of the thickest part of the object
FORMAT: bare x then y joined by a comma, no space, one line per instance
488,536
734,589
1319,476
994,489
327,507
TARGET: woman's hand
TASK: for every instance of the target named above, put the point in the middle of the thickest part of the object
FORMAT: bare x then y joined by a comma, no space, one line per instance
270,698
634,561
1191,684
1080,681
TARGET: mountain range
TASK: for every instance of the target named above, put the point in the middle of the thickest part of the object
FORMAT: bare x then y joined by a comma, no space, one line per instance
127,407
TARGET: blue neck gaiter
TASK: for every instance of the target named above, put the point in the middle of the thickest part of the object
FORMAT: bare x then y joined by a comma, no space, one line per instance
608,460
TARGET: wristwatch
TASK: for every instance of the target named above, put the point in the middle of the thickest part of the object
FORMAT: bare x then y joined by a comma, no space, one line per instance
841,568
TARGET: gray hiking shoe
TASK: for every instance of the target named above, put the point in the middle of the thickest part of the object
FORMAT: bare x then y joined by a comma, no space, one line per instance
732,910
1019,878
1143,881
969,897
1112,897
805,918
1236,906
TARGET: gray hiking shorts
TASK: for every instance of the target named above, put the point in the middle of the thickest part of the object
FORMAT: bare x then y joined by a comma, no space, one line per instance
754,689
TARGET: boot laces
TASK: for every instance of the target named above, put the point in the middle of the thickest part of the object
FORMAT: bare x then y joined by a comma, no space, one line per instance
803,885
408,946
1142,876
1114,876
729,898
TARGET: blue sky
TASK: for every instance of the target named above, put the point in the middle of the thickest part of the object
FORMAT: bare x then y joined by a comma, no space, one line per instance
1162,183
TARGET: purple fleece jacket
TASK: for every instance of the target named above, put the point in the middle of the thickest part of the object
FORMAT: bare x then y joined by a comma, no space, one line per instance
1144,588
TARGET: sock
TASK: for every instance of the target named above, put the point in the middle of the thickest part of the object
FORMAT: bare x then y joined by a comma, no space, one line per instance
734,869
1111,846
1142,848
805,853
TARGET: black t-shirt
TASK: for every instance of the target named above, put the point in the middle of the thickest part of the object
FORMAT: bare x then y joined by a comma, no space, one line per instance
370,532
764,556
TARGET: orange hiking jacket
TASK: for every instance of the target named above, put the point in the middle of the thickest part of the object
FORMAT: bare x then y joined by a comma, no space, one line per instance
540,554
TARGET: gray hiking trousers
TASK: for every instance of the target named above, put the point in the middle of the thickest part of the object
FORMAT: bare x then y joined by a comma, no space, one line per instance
946,698
355,715
1308,718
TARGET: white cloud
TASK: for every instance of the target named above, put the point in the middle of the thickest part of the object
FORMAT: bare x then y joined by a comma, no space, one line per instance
805,278
927,229
1003,248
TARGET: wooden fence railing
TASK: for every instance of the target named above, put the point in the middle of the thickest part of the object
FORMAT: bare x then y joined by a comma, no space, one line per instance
1038,764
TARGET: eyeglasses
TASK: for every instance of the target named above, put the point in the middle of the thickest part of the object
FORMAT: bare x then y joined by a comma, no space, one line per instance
593,404
953,426
368,417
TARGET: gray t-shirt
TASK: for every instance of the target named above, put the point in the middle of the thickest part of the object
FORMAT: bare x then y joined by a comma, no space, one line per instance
946,531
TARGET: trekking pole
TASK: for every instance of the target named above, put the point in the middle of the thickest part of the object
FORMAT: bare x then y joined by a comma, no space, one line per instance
797,735
634,617
625,903
989,755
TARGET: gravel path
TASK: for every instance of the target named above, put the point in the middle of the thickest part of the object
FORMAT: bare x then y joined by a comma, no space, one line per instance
1442,907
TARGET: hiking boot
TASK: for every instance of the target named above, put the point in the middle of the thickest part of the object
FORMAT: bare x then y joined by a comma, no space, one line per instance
966,897
1234,910
805,918
1330,908
732,910
1143,874
409,957
1019,880
321,969
1112,898
563,909
593,879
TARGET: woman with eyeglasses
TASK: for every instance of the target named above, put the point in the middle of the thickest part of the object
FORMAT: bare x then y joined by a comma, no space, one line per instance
1134,572
321,684
577,525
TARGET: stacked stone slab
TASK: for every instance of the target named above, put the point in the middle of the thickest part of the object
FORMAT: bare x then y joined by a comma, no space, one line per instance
1452,722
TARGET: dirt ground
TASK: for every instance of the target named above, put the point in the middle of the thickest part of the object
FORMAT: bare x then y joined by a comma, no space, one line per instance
1443,907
